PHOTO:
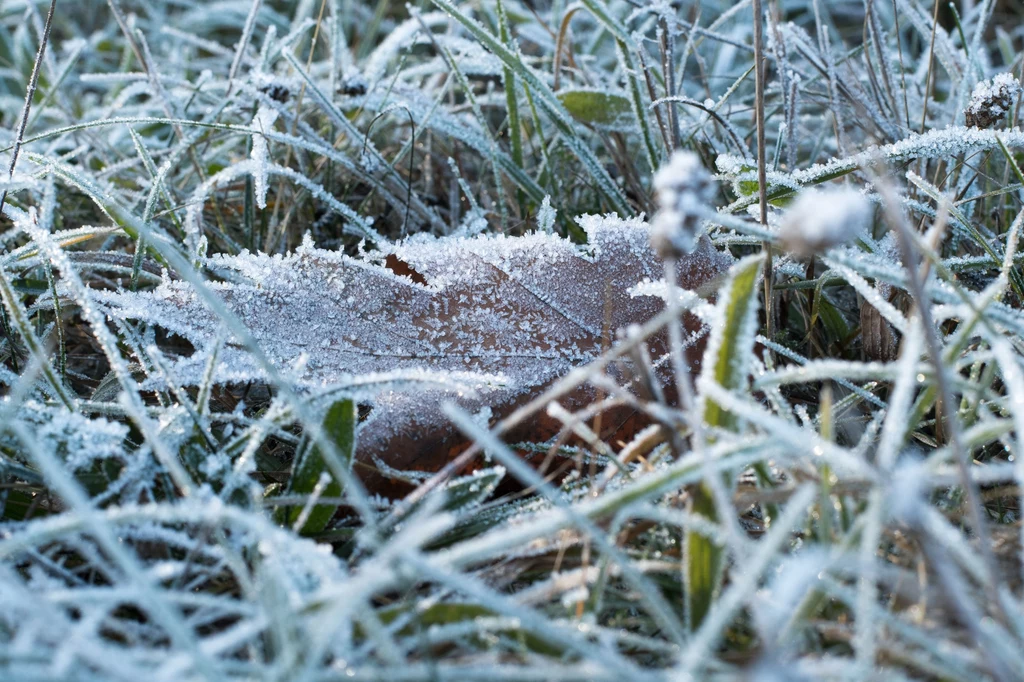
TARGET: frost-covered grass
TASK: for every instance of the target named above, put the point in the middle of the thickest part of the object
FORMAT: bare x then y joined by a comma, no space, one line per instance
835,493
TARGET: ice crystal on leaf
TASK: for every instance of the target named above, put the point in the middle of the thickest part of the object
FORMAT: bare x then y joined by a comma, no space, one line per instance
487,320
546,216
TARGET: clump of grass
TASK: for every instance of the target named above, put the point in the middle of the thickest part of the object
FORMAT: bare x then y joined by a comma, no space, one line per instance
835,494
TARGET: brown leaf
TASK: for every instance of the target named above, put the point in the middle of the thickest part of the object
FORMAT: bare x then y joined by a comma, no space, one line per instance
487,322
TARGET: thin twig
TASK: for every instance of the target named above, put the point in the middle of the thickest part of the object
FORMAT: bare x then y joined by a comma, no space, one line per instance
668,67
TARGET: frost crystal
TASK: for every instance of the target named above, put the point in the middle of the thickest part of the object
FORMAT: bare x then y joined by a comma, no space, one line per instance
684,190
819,220
991,100
546,216
263,121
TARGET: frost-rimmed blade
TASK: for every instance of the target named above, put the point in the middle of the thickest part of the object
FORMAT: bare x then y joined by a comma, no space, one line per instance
726,364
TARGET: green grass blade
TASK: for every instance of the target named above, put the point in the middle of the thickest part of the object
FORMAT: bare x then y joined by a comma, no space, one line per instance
626,47
727,359
515,133
725,363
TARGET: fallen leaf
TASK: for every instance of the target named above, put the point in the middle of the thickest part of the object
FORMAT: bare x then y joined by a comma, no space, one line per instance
488,321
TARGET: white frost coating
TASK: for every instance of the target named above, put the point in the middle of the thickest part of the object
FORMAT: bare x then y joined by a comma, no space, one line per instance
935,144
1001,85
821,219
87,444
685,299
473,59
947,143
492,315
685,190
19,181
264,120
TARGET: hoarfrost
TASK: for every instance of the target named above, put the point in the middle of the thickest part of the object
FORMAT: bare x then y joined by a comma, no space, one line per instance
86,445
946,143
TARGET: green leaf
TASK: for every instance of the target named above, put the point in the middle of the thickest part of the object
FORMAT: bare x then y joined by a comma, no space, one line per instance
604,110
823,308
727,364
339,427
